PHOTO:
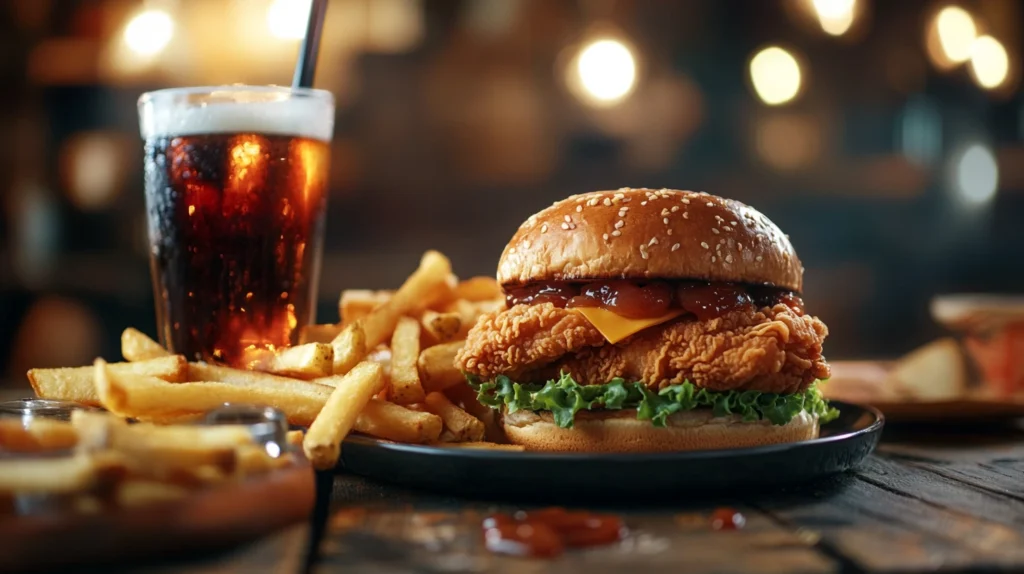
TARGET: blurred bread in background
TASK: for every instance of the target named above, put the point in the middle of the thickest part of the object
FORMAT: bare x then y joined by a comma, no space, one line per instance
934,372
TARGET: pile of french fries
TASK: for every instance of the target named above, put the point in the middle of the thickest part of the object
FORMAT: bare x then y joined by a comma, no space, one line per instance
385,370
97,460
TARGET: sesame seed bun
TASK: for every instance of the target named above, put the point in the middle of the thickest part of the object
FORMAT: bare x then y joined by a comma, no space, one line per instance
650,234
620,431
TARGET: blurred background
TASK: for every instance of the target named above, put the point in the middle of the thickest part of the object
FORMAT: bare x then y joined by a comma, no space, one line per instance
887,138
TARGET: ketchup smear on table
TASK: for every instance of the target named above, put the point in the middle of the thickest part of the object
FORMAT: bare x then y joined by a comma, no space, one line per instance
546,533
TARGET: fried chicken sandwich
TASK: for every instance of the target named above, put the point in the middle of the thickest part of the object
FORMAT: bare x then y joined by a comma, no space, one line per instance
645,320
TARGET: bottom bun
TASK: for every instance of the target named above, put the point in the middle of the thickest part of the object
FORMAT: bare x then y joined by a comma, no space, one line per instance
620,431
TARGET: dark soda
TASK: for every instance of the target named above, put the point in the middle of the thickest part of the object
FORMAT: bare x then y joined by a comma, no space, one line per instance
236,225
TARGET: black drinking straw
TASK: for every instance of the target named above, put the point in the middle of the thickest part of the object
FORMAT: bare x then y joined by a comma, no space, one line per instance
305,68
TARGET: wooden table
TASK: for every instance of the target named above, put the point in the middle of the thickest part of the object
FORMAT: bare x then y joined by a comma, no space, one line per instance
950,499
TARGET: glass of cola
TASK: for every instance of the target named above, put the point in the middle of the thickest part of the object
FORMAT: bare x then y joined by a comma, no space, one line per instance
236,181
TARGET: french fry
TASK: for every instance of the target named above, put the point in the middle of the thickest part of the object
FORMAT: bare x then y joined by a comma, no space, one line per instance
294,437
395,422
463,426
137,492
50,475
307,361
469,312
355,304
484,445
162,452
405,349
350,346
254,460
319,333
77,384
465,397
208,372
427,284
41,435
134,395
136,346
440,327
478,289
322,443
437,366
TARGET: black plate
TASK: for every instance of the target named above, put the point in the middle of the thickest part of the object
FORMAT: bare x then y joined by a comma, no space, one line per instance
498,474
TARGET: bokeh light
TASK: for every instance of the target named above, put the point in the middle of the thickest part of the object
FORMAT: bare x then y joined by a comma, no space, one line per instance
835,16
976,174
775,74
956,31
606,70
990,63
149,32
788,142
287,19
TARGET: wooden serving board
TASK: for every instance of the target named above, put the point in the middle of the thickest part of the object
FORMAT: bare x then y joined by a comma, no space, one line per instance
211,520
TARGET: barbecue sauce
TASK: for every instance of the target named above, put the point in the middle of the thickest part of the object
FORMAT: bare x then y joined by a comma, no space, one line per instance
642,300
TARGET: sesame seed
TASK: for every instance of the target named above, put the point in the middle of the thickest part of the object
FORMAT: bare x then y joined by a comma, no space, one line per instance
665,212
624,208
675,246
607,201
665,220
759,258
713,258
675,208
511,251
711,204
669,231
568,219
565,226
526,244
740,245
653,241
733,223
605,237
727,228
580,199
643,251
686,201
728,258
619,224
704,245
719,219
715,230
544,228
579,208
616,233
619,195
643,203
622,213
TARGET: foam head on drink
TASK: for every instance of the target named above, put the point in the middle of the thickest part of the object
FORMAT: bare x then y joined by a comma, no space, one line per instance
235,194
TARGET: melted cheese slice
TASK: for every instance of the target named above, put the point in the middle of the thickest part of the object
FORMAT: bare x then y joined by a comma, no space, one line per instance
616,327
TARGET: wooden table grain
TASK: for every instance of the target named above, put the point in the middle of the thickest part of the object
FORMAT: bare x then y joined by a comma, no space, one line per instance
940,498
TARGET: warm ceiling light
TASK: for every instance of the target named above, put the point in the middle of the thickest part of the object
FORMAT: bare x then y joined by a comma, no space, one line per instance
776,76
606,70
149,32
957,31
287,19
835,16
989,62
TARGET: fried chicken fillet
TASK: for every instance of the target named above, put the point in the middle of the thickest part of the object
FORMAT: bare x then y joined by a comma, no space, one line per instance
774,349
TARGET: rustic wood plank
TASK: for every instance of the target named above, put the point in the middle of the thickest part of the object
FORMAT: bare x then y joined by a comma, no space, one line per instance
881,529
392,530
943,492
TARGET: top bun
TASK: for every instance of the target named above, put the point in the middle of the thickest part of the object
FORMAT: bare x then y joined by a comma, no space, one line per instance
650,234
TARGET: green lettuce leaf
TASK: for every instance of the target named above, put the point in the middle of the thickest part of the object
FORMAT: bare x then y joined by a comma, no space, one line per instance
564,397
